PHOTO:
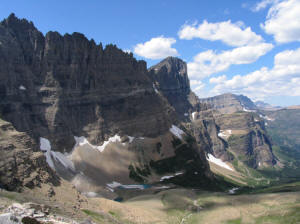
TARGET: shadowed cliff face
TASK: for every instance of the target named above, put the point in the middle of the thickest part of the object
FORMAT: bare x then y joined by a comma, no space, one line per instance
171,79
64,86
55,87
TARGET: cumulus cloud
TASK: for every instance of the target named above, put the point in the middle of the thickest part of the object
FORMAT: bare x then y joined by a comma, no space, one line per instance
197,86
281,80
194,82
283,21
156,48
263,4
219,79
232,34
209,62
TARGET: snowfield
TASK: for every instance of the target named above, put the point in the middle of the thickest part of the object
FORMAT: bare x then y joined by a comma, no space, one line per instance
176,131
21,87
218,162
115,184
80,141
154,87
225,133
194,115
63,159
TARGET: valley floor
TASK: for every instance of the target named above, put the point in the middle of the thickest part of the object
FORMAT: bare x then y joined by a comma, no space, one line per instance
172,206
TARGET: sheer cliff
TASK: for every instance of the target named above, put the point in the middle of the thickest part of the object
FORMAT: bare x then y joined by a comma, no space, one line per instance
92,111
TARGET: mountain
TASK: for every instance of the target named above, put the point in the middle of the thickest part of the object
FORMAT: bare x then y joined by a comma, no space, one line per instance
265,106
92,111
229,103
242,128
170,79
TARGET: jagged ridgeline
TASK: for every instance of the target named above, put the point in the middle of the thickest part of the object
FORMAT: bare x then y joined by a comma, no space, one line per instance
91,115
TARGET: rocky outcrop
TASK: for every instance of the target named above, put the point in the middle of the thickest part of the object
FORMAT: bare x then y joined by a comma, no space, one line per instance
22,164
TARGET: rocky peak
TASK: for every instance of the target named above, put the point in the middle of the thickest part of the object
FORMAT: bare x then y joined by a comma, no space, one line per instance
171,75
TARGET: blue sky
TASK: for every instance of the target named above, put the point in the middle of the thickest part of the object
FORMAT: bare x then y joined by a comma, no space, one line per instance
244,47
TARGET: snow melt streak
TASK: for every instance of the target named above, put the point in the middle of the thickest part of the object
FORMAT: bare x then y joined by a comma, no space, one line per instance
219,162
176,131
45,146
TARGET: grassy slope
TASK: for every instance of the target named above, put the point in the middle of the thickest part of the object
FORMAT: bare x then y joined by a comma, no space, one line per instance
181,206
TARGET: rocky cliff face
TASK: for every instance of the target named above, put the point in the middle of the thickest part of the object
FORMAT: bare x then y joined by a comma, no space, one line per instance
242,129
222,125
65,86
230,103
22,164
93,111
171,80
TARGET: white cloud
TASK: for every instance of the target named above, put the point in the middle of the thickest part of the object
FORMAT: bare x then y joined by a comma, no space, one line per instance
194,82
209,62
218,79
283,21
263,4
198,87
156,48
232,34
282,80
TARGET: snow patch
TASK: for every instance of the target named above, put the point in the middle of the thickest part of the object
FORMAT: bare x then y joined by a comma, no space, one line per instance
218,162
176,131
194,115
225,133
154,87
130,139
45,146
247,110
162,187
171,176
115,184
21,87
233,190
80,141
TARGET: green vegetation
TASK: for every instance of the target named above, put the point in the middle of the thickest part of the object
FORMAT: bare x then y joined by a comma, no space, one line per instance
234,221
291,217
94,215
135,174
